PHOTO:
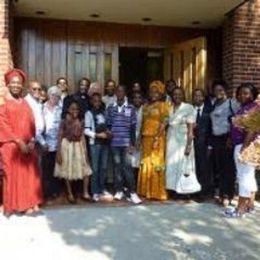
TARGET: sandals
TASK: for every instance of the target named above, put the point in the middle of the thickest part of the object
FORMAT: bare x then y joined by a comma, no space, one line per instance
251,210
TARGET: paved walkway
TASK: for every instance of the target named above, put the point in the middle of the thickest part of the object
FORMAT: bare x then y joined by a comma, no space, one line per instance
152,232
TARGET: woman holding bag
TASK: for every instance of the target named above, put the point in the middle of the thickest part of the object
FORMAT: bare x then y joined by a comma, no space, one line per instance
180,159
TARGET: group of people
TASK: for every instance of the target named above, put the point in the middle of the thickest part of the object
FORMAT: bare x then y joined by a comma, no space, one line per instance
155,145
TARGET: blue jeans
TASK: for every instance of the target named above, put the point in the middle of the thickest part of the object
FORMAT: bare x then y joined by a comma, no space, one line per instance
99,155
123,172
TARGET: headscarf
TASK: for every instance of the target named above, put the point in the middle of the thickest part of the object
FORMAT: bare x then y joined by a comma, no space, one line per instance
14,73
95,87
160,87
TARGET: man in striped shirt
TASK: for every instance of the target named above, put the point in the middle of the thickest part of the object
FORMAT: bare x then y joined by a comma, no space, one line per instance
121,120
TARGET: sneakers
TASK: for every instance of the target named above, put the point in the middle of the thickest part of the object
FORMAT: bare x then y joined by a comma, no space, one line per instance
95,197
134,198
119,195
233,213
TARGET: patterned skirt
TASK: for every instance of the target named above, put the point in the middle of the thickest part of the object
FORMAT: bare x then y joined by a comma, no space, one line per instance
75,163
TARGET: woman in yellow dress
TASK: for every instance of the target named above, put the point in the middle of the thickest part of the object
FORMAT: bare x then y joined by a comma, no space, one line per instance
151,179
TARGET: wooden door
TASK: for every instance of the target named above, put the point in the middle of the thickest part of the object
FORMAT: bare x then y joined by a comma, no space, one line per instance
98,62
186,63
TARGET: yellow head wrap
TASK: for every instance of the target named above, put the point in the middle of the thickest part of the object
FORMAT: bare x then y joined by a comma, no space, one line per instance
158,85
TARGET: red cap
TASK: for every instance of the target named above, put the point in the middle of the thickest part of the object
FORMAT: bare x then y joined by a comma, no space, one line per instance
14,73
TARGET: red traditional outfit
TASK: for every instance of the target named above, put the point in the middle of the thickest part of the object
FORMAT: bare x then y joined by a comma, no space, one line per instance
22,183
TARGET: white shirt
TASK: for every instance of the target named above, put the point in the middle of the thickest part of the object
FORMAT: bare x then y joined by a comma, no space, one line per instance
120,108
52,121
37,109
199,108
109,100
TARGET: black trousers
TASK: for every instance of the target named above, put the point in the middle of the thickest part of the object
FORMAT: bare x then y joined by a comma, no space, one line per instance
203,167
223,167
51,185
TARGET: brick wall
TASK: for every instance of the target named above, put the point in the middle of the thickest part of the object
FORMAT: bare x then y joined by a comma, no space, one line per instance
241,44
6,37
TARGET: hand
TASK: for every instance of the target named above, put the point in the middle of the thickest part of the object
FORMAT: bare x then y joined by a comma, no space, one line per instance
229,143
242,148
23,147
102,135
131,149
109,134
59,158
45,148
156,144
31,146
209,151
187,150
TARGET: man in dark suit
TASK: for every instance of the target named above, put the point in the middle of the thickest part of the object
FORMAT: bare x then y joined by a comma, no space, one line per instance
202,133
81,97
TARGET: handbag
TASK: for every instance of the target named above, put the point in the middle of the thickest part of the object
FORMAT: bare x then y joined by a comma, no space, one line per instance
188,182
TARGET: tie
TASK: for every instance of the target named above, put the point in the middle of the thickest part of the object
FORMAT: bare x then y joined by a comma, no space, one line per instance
198,115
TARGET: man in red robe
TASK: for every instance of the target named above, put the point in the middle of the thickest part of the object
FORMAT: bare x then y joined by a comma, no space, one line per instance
22,183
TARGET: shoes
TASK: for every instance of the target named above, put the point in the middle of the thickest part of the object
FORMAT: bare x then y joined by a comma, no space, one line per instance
119,195
134,198
35,214
251,211
95,197
86,196
233,213
71,199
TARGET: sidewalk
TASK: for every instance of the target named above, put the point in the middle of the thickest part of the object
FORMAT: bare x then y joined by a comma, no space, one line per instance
149,232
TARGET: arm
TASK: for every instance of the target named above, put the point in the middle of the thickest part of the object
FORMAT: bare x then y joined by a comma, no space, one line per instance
60,137
163,123
89,125
133,135
133,127
66,102
40,138
191,119
6,132
190,127
109,118
248,139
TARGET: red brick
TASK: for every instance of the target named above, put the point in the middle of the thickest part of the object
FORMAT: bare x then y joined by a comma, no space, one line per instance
6,37
241,44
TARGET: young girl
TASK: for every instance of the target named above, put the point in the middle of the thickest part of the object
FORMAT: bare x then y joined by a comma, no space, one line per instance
72,161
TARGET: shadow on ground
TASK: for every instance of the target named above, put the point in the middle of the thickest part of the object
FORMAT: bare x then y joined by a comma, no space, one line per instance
193,231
